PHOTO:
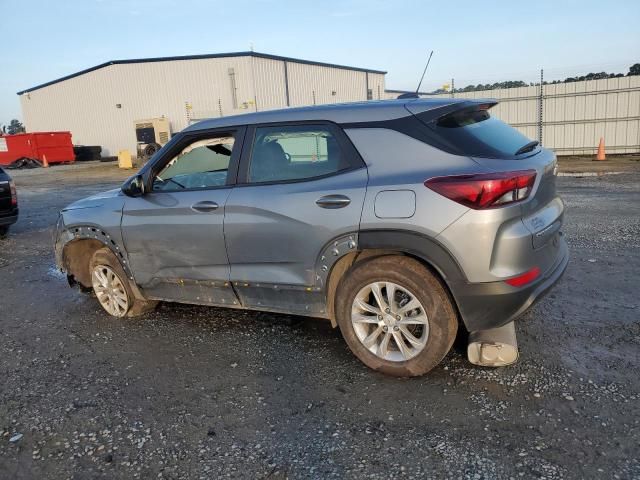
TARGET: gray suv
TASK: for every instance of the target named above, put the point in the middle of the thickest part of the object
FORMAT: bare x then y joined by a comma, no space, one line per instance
398,221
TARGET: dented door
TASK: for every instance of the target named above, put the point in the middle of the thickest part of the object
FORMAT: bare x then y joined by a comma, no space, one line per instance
176,252
174,234
303,190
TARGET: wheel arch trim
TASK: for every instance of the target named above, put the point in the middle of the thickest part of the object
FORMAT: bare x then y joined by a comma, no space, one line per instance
76,233
421,247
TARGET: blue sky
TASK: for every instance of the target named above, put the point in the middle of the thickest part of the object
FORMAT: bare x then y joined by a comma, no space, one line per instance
474,41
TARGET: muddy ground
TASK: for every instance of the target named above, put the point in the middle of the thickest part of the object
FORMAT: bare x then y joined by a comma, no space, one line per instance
195,392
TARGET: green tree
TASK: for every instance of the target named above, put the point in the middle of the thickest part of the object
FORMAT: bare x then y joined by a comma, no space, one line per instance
15,126
633,70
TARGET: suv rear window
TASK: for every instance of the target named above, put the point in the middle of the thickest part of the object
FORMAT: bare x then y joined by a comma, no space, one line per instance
474,132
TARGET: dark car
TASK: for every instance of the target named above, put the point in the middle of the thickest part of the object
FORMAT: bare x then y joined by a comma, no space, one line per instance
8,203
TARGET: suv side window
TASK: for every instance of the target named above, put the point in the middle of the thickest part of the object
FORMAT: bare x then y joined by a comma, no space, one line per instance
299,152
202,164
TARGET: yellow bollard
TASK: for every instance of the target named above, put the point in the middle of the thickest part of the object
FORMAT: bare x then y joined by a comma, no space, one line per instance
124,159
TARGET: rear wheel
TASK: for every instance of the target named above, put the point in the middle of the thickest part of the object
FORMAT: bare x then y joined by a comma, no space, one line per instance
112,287
395,315
3,231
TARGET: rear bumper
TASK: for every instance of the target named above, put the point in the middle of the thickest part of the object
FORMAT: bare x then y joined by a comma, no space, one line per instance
8,218
494,304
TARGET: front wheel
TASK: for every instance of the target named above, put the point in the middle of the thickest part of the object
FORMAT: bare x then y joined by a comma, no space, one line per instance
395,315
112,288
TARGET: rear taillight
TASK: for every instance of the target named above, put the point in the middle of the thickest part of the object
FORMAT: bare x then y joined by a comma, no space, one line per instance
14,195
485,190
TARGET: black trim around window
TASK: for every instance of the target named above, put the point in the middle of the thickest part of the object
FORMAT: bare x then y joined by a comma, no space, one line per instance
352,156
421,126
184,139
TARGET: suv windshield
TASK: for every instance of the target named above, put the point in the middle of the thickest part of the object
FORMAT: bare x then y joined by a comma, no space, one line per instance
476,133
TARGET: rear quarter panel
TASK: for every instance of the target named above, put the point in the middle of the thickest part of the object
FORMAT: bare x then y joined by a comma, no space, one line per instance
498,243
399,163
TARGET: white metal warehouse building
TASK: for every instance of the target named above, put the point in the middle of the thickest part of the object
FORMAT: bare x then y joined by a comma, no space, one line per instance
99,105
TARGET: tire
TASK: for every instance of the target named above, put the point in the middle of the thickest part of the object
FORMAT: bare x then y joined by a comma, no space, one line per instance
109,267
4,231
409,280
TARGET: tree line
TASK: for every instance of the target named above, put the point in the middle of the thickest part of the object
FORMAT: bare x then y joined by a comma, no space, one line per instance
15,126
633,70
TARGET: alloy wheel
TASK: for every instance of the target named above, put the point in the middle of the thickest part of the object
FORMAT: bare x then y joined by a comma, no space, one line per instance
110,290
390,321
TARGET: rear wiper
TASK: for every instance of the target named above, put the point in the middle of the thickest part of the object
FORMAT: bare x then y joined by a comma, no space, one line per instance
528,147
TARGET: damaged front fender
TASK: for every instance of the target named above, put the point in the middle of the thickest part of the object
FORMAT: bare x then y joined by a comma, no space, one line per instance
86,226
70,259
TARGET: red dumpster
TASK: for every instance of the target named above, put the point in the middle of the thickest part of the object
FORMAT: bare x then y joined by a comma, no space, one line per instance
56,146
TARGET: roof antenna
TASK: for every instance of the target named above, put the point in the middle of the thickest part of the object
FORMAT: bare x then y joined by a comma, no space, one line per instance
425,71
415,94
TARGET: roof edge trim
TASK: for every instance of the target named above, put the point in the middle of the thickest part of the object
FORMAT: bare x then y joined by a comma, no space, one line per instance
198,57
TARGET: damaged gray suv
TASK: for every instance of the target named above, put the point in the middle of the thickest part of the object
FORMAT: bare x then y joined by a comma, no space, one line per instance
398,221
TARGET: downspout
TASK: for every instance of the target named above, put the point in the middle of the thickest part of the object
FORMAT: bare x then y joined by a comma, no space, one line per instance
366,91
253,79
286,82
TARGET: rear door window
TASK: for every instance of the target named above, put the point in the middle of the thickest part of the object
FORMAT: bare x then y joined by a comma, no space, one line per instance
474,132
290,153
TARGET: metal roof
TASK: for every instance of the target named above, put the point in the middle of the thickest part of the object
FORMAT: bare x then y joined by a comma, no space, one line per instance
199,57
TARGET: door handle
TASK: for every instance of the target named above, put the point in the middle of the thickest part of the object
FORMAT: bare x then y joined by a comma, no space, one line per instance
204,207
333,201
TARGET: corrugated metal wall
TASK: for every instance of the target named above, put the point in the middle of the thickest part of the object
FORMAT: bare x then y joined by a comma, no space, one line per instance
270,83
314,85
183,91
376,85
574,115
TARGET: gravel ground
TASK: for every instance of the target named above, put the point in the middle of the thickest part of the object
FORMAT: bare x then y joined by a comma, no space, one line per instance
613,163
195,392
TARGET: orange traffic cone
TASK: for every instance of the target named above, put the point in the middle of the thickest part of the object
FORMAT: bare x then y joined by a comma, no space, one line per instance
45,164
601,155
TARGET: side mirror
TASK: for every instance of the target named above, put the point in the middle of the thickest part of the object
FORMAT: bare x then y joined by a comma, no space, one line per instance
134,186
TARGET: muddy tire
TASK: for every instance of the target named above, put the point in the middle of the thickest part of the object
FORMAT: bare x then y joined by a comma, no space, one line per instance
112,287
395,315
4,231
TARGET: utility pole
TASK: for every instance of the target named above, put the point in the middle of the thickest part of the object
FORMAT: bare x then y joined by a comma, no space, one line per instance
453,88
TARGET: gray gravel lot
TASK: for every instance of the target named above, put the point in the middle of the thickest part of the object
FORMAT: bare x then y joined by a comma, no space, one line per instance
196,392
